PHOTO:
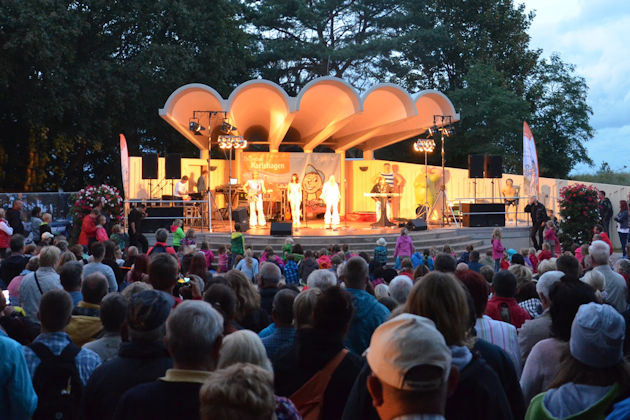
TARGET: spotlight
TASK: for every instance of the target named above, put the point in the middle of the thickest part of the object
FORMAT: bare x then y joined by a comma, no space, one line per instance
424,145
226,127
232,142
195,127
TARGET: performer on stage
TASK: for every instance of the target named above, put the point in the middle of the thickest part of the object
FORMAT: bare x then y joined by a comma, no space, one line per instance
202,185
255,189
331,195
388,174
294,195
508,192
382,187
181,189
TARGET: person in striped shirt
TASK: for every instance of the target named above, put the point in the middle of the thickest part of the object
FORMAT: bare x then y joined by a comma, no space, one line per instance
388,174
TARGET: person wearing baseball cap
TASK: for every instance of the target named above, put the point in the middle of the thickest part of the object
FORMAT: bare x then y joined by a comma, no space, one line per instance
411,369
142,359
593,375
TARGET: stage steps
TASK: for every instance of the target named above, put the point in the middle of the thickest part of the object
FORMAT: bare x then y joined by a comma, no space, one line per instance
457,239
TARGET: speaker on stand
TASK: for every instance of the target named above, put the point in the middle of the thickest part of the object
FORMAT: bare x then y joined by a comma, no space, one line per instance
475,170
281,229
493,168
150,170
173,168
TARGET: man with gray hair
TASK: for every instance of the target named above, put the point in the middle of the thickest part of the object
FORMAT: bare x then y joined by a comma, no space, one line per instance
399,288
35,284
269,276
538,329
321,279
615,285
194,333
369,313
538,213
160,246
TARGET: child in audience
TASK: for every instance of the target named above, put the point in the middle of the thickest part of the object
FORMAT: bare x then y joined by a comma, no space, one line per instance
533,259
497,248
119,237
189,239
380,253
101,233
551,238
291,273
178,233
205,249
237,244
287,248
45,225
223,259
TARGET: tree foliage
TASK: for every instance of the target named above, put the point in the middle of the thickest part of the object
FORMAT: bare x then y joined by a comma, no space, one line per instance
74,74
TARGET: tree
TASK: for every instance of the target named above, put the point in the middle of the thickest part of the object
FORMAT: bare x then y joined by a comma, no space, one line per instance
301,40
560,120
75,74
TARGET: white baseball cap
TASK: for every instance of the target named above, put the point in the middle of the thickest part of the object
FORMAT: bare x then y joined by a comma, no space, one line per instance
406,342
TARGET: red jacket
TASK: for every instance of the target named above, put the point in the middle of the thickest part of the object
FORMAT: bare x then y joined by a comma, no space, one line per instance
168,249
88,230
518,315
606,239
5,238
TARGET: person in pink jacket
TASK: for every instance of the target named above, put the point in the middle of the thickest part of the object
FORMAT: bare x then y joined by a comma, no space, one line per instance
404,247
497,249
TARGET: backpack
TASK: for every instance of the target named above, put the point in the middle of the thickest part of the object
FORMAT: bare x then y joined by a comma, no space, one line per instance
309,399
57,383
158,249
504,313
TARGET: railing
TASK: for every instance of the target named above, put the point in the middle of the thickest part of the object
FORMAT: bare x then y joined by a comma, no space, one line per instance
194,212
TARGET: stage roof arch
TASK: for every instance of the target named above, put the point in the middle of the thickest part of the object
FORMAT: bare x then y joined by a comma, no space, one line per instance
327,111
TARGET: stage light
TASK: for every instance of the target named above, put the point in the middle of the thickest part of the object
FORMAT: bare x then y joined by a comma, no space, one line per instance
232,142
195,127
226,127
424,145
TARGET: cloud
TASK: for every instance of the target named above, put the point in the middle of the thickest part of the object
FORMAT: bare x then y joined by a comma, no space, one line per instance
593,35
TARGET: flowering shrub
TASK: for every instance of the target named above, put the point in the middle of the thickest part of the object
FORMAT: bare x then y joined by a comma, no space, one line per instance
88,198
578,211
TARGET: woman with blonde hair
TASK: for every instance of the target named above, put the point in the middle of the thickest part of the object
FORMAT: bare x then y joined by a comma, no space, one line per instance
65,257
249,314
479,393
248,265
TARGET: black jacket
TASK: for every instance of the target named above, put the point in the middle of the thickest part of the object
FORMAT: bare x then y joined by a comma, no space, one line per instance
136,363
310,353
15,221
538,213
266,298
478,396
11,267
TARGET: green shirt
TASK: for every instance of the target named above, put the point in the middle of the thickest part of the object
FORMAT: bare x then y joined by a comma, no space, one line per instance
238,243
178,235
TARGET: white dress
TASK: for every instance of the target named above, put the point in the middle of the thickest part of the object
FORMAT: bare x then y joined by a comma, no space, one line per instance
294,195
254,189
331,195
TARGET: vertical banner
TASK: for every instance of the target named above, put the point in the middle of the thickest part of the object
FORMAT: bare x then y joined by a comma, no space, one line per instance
530,162
124,165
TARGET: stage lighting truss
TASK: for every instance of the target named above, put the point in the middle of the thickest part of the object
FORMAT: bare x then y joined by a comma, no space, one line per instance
424,145
232,142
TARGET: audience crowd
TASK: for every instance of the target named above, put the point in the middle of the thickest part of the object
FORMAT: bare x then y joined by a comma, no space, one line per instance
118,329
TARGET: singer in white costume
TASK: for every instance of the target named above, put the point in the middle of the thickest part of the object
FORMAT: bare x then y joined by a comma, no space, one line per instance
294,194
331,195
255,189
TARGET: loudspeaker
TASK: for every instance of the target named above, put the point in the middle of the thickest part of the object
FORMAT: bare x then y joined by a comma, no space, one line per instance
281,229
493,166
240,216
173,166
417,224
472,219
167,215
475,166
150,166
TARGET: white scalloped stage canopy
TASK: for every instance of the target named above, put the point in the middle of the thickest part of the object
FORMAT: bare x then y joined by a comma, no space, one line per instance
327,111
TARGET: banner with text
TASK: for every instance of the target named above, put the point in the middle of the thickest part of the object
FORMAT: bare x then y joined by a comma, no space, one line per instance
530,162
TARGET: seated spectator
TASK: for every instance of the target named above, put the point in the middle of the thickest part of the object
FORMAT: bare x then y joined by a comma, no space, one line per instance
465,256
321,279
487,260
461,267
406,268
498,333
35,285
139,270
542,364
110,260
381,290
479,394
70,278
473,261
406,382
615,285
317,352
15,262
143,358
14,287
269,256
249,314
593,375
569,265
193,339
488,273
113,313
307,266
160,246
268,284
503,306
54,313
369,314
240,391
526,295
282,316
163,273
399,288
85,324
66,256
223,299
535,330
597,281
445,263
546,253
248,265
198,267
98,253
17,397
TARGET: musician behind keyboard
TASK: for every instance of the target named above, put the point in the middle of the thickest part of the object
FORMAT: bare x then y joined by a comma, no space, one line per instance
382,187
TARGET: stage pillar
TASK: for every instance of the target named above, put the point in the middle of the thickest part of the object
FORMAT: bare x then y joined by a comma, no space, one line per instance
238,160
343,185
203,154
308,150
368,155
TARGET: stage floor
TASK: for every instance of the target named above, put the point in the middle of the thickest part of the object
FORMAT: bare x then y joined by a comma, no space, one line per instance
317,228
